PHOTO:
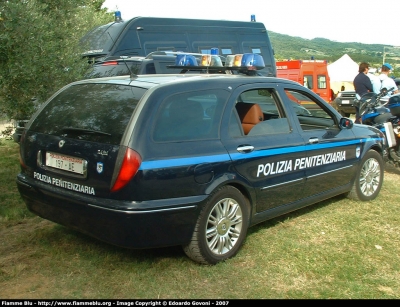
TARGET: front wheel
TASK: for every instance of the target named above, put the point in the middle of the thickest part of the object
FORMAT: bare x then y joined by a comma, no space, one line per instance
221,227
369,177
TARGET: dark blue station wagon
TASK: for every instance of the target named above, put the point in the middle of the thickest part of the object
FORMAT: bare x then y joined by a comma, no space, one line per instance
191,160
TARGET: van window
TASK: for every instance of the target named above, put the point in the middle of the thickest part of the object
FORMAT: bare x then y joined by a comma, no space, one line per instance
101,39
226,51
207,50
321,80
308,81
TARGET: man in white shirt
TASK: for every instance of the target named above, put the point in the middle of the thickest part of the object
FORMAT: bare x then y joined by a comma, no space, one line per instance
376,82
387,82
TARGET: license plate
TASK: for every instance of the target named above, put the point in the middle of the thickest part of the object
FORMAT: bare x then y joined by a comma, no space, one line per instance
345,101
66,163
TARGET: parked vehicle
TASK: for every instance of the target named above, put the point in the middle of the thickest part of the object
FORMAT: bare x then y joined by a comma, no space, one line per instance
386,117
397,81
313,74
344,103
140,36
190,159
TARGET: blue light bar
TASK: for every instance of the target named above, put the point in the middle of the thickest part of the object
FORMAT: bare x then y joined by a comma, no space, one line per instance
253,60
185,60
117,16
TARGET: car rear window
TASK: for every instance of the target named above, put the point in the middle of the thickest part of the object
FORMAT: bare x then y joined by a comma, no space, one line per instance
94,112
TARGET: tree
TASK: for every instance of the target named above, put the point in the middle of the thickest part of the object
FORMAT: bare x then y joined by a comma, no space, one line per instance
40,50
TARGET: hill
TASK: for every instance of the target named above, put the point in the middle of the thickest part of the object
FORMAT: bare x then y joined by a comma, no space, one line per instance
290,47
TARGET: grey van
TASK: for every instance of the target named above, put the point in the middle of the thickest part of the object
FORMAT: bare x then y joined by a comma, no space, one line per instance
140,36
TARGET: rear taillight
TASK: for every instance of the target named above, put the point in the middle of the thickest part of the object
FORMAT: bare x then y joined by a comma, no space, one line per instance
21,161
21,150
130,166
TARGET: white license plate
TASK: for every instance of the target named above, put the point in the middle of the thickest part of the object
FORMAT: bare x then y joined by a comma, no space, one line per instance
66,163
345,101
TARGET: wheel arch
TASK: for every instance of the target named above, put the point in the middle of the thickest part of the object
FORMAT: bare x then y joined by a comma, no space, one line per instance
237,182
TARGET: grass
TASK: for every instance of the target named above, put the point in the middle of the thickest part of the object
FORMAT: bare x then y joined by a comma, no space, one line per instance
338,249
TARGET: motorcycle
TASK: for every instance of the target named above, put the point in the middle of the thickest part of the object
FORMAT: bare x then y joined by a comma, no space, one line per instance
384,115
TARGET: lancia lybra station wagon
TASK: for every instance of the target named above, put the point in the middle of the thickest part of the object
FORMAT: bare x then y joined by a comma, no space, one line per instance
191,160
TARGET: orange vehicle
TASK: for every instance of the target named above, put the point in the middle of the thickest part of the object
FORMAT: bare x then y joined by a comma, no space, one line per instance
313,74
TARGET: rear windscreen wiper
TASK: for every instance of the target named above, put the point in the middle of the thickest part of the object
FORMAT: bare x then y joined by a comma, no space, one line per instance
84,131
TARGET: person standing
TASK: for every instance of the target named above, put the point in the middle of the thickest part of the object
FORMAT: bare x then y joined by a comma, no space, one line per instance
362,85
376,82
387,82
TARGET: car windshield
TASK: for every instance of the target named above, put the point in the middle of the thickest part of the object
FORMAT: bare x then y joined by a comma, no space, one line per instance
101,39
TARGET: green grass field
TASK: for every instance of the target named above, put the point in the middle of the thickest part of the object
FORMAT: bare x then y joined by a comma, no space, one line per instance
336,249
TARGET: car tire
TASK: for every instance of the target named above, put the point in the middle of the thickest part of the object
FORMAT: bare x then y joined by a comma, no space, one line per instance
221,227
369,177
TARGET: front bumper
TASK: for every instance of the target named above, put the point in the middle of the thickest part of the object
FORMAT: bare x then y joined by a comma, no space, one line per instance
147,224
347,108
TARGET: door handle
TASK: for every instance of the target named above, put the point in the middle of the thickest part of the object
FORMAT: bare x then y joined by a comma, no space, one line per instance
313,140
245,148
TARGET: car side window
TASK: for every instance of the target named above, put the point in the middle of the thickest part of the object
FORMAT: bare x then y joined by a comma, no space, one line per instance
258,112
190,116
310,113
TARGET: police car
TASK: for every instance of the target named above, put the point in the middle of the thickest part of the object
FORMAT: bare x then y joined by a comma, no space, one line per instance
194,160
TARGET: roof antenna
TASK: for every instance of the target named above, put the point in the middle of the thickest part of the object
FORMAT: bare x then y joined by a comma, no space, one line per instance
127,66
123,57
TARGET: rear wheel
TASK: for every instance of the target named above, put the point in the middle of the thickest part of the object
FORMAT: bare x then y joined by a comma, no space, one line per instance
369,178
221,227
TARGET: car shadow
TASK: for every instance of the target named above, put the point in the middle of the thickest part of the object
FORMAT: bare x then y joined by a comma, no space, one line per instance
392,169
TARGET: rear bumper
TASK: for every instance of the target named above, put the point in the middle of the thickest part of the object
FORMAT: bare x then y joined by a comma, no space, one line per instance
127,224
17,134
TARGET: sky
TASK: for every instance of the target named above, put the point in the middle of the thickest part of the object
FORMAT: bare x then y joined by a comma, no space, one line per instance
339,20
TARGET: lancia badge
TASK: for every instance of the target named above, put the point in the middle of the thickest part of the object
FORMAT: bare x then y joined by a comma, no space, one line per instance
99,167
61,143
358,152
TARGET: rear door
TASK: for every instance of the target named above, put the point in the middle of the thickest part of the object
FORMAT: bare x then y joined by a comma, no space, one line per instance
74,141
264,157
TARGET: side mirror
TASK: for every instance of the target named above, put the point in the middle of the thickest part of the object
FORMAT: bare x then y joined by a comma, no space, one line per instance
346,123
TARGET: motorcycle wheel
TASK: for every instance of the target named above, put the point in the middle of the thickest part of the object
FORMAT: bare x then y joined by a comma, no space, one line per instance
369,177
